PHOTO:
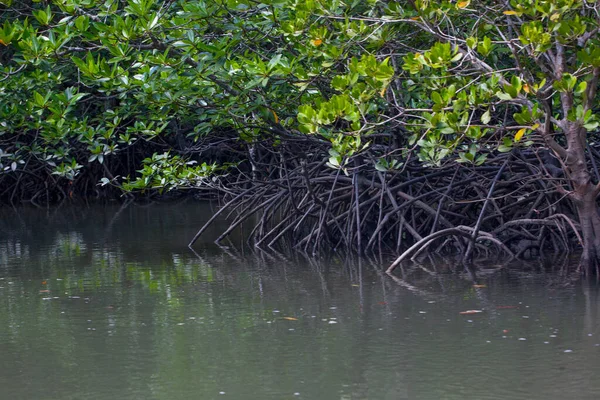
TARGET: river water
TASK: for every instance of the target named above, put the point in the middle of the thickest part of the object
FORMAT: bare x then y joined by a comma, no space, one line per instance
108,303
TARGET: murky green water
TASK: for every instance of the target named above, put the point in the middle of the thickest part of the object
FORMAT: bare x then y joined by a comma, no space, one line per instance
103,303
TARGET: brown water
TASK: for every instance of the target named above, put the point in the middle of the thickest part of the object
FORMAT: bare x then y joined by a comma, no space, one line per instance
108,303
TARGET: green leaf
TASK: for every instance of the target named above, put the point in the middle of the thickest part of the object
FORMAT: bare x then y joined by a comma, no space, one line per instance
471,42
503,96
380,167
581,87
485,46
457,57
486,117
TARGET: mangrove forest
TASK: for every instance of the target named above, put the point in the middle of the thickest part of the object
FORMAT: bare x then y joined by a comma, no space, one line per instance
394,128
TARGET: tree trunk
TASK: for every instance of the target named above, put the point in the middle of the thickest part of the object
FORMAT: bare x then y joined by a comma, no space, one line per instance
584,196
589,219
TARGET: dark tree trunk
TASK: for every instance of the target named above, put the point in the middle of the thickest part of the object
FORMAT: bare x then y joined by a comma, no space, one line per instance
589,219
584,196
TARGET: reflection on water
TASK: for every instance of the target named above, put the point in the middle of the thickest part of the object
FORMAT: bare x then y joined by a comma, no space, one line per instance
108,303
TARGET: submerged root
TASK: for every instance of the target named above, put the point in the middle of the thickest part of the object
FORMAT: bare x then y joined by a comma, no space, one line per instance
458,232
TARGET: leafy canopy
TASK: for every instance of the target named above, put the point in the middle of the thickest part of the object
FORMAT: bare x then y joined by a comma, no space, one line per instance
85,83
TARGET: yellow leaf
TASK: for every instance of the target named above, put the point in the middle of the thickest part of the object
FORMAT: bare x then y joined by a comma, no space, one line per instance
554,17
415,18
2,42
382,93
526,88
520,134
291,318
275,116
510,12
317,42
535,126
463,4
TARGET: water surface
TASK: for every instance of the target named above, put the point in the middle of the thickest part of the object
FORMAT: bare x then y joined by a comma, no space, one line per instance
108,303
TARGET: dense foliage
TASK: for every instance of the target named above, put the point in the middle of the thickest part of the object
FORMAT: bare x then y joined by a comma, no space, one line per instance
91,86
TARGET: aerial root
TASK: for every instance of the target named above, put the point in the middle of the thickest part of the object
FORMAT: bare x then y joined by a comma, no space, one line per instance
293,199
